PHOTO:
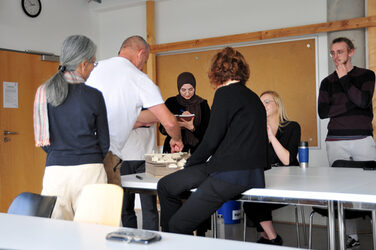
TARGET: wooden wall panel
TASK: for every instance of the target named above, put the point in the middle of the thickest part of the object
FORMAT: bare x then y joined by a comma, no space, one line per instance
372,56
286,67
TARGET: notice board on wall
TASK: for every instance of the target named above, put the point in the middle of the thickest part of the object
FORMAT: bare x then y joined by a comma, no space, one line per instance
288,67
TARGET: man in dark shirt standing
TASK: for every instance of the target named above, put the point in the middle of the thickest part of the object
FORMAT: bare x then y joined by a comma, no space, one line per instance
346,98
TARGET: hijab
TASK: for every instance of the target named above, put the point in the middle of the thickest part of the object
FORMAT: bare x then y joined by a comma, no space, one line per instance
192,105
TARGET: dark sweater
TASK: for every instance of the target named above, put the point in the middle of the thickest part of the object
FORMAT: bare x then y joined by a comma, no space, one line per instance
348,102
236,136
78,128
175,108
289,137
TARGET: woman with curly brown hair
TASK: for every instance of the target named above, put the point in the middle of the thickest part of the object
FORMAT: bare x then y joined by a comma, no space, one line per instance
231,157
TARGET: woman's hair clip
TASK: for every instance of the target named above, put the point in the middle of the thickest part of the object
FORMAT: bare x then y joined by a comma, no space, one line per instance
62,68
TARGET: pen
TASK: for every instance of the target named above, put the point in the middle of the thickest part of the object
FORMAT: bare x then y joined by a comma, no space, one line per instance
139,177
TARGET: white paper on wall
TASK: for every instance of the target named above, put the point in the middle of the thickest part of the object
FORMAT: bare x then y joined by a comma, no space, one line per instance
10,95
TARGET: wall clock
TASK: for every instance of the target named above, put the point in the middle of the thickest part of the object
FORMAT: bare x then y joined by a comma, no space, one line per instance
32,8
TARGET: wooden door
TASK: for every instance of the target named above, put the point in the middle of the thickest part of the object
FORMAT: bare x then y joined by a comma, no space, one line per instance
21,163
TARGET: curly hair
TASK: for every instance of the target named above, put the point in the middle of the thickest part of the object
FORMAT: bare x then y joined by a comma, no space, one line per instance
228,64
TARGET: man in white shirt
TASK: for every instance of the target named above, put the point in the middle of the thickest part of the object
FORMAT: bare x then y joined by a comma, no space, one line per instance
141,141
126,89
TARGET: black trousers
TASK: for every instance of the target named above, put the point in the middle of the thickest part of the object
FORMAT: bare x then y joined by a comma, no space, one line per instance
150,217
258,212
211,193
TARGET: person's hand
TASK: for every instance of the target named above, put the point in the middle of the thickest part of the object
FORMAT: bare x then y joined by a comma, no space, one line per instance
270,132
176,145
341,70
188,124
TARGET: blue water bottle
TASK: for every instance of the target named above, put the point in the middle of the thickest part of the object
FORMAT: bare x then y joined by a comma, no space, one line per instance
303,154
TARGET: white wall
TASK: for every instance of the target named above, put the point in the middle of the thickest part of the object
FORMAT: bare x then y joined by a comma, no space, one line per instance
46,32
109,23
115,25
180,20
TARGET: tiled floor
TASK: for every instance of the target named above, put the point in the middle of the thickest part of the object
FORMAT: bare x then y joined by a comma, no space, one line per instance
288,233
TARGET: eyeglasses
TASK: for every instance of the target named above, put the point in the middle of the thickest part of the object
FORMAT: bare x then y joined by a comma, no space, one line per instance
267,101
338,53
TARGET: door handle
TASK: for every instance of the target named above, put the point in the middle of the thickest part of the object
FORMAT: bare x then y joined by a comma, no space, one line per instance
10,133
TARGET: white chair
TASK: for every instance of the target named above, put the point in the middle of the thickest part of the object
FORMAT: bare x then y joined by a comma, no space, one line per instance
100,204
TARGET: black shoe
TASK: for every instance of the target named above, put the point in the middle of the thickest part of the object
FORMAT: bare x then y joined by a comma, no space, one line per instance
277,241
263,240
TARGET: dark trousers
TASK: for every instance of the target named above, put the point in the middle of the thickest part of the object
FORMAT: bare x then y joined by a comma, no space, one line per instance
211,193
259,212
150,218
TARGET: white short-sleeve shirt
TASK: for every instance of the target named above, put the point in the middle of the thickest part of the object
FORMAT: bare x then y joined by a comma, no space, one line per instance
126,90
141,141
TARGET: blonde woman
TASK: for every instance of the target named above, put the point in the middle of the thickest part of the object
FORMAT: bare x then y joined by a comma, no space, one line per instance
284,137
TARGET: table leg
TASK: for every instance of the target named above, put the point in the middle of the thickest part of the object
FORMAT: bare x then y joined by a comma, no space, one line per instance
297,226
332,229
304,226
374,228
341,226
214,224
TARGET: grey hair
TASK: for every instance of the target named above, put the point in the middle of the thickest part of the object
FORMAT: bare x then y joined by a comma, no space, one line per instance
74,51
134,42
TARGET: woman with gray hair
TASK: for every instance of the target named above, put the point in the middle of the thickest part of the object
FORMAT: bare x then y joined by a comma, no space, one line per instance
70,124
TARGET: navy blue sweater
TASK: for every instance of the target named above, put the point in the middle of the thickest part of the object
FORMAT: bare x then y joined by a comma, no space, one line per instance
78,128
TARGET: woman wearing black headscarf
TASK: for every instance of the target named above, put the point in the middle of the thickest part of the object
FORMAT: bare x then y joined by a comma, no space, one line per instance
186,103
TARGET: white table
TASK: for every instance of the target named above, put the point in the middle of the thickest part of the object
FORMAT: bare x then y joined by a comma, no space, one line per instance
351,188
26,232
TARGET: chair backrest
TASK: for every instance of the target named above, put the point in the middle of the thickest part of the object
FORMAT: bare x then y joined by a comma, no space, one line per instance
354,164
33,205
100,204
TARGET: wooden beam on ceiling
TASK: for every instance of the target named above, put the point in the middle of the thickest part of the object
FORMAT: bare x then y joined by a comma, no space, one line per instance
348,24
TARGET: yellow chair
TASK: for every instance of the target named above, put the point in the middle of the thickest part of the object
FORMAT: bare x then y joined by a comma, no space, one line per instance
100,204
